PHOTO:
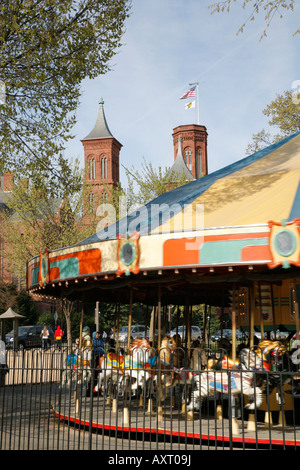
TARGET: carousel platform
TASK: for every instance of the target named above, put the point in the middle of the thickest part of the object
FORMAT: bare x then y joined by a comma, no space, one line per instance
136,421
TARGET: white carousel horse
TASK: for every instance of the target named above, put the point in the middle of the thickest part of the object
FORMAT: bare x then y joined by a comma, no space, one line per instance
134,365
77,367
235,382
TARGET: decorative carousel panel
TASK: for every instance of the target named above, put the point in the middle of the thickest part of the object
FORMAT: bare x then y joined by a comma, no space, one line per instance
44,272
128,253
284,242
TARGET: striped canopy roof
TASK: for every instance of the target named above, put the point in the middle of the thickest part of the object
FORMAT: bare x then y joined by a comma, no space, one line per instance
245,214
261,187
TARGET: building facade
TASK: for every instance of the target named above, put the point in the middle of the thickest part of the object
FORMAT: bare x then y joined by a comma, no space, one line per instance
193,141
101,160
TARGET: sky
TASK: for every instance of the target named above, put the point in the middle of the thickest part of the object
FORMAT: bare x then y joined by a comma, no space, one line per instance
169,44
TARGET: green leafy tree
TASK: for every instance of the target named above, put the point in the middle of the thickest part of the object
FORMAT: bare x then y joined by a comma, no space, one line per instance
257,7
47,47
149,182
35,219
284,117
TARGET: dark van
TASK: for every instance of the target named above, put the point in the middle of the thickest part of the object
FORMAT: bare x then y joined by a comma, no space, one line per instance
29,337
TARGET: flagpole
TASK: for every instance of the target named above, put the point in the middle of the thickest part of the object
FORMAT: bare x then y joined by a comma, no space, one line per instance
197,101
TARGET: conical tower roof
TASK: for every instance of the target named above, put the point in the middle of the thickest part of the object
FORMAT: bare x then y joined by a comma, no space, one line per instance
179,166
101,129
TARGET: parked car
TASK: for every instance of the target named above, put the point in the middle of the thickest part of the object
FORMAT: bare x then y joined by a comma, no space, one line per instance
280,335
258,335
241,335
227,333
137,331
29,337
195,333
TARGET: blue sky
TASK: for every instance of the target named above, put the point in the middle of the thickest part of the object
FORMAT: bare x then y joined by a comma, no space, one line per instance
167,45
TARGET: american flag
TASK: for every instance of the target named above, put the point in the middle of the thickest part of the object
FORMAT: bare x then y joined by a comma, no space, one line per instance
189,93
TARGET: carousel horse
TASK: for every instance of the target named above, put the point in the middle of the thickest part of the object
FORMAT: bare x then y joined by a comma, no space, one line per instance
277,364
77,366
165,366
236,382
134,366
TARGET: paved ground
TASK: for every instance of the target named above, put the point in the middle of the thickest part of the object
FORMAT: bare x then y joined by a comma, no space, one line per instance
42,417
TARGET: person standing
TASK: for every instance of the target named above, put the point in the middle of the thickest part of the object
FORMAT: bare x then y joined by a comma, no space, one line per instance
104,336
58,336
45,336
98,348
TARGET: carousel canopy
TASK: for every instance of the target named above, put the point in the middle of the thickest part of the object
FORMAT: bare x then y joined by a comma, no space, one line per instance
246,214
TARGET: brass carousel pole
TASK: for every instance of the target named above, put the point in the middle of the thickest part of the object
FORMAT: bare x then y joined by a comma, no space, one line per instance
125,410
252,314
273,309
146,320
129,320
188,324
77,390
295,308
204,325
159,407
116,333
260,313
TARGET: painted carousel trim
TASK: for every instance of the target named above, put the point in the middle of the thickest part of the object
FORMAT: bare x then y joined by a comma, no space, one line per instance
284,242
43,274
128,254
217,250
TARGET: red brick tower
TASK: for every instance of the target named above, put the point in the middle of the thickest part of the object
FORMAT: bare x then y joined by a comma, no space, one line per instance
101,159
193,138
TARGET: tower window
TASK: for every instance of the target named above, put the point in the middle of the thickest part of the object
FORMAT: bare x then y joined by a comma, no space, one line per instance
92,169
188,158
198,163
104,167
91,201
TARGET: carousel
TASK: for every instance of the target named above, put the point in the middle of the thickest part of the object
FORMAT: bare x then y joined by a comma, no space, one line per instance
230,239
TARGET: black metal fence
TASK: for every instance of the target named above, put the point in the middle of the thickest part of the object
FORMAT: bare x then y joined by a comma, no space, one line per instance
52,400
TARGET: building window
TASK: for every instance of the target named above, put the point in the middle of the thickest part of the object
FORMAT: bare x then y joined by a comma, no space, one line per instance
198,163
104,197
91,201
104,167
92,169
188,158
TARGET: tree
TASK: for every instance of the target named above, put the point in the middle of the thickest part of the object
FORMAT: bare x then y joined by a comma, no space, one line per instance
151,182
269,8
18,300
284,116
35,219
47,47
142,187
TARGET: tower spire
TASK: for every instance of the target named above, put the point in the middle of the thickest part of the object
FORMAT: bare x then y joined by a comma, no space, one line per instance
101,129
179,166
